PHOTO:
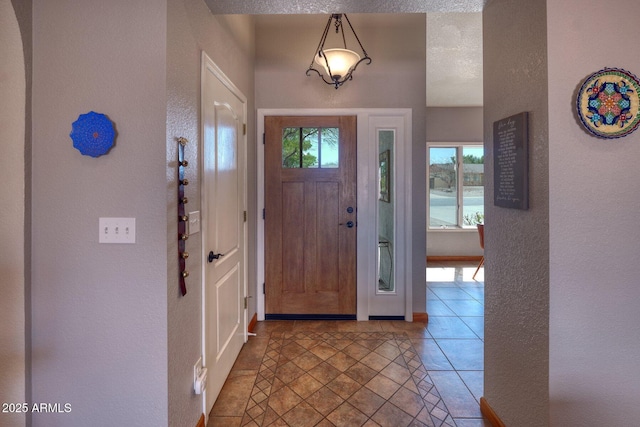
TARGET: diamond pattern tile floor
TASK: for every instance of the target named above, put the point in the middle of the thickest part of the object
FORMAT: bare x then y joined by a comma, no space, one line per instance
377,377
376,373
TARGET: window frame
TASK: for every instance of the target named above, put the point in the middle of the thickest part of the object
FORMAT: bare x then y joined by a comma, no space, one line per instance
459,150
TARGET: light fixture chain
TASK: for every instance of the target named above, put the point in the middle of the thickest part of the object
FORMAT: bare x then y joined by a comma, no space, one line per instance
338,23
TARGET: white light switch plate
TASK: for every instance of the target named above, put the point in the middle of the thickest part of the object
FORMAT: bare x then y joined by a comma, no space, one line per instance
117,230
194,222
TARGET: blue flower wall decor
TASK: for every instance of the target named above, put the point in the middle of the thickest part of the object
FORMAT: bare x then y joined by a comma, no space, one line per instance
92,134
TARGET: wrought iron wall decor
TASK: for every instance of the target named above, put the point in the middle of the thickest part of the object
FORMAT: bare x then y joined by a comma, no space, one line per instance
183,218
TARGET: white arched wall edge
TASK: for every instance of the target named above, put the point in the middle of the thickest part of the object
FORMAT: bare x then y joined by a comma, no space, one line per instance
369,120
13,88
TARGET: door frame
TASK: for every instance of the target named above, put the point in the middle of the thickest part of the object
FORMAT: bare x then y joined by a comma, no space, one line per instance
206,65
368,121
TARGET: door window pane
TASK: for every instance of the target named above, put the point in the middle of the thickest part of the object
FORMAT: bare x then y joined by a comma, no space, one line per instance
291,148
329,152
310,147
443,187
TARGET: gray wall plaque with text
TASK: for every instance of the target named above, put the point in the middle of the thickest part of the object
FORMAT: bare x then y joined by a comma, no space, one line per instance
511,162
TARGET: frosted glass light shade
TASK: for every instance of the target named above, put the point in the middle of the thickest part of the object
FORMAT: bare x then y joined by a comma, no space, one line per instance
340,61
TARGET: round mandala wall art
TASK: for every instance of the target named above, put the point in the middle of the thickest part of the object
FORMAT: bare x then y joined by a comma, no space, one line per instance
608,103
92,134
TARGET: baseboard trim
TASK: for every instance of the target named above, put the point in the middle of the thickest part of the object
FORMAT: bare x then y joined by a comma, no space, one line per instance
433,258
253,323
310,317
489,414
386,317
421,317
200,421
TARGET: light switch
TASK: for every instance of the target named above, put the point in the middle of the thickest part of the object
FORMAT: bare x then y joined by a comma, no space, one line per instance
117,230
194,222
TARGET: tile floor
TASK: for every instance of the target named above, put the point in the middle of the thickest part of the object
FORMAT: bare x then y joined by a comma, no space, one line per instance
376,373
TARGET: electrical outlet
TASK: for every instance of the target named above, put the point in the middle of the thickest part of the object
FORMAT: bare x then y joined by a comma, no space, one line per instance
196,369
117,230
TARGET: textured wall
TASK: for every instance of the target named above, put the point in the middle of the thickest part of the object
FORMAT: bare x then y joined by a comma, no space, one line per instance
99,323
184,312
395,79
454,60
13,87
462,124
595,239
229,43
517,241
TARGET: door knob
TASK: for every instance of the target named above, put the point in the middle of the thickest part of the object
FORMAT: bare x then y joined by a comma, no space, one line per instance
213,256
350,224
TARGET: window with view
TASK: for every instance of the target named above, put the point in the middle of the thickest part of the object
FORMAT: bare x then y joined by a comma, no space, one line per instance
456,186
310,147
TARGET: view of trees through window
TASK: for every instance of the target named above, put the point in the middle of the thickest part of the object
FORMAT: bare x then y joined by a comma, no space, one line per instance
456,186
310,147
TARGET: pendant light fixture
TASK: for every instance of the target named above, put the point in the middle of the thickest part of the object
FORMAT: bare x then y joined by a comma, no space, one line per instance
338,63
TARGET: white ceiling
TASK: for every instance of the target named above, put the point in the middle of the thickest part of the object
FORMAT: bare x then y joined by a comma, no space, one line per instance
454,37
293,7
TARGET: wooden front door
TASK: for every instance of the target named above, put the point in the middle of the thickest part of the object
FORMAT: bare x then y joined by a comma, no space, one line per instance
310,217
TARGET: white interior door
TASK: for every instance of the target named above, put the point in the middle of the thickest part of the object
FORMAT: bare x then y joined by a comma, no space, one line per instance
223,187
